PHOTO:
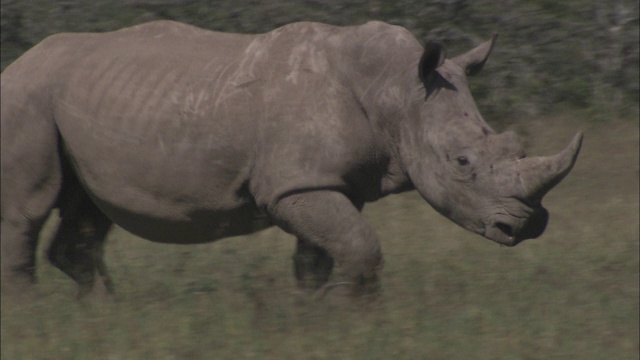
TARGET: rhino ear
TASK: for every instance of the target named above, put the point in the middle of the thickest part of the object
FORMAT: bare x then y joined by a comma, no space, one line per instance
433,56
473,60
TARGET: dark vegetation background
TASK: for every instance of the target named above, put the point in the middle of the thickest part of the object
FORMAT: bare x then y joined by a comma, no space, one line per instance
551,54
558,67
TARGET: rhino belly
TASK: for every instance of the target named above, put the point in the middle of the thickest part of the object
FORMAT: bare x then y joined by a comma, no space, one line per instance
192,227
184,196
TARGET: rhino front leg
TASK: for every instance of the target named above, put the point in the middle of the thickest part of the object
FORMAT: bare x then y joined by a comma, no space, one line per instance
328,220
312,265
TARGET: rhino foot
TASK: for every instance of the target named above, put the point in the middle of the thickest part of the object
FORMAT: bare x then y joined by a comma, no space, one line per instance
312,265
349,291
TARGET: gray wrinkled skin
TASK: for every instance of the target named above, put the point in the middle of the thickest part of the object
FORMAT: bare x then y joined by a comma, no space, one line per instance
183,135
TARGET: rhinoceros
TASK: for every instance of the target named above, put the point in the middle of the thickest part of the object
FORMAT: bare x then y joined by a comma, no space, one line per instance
184,135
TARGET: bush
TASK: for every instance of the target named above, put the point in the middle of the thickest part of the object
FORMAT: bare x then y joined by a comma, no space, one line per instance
577,53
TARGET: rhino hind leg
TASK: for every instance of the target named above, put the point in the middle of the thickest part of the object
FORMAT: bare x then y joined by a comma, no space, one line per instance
312,265
30,183
19,242
78,247
77,250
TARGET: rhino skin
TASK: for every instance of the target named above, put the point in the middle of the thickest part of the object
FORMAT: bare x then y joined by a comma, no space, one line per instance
184,135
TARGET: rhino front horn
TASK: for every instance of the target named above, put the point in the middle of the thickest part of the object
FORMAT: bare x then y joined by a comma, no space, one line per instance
538,175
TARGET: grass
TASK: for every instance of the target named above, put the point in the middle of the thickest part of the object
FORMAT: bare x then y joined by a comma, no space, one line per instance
447,294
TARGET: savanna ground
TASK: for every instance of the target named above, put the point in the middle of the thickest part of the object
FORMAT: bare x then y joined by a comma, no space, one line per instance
447,294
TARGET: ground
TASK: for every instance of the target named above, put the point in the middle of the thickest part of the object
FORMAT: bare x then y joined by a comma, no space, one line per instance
447,293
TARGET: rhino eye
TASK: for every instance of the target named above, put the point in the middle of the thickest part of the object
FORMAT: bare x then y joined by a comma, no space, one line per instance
462,160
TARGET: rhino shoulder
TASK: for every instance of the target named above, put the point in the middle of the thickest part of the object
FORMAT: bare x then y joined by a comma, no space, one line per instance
384,29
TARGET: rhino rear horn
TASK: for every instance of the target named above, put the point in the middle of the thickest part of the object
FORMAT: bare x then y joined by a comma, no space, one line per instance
538,175
473,60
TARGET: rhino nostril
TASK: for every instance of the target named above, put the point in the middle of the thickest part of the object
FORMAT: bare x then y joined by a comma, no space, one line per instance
506,229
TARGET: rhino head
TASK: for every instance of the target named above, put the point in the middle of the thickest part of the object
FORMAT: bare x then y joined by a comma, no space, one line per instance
481,180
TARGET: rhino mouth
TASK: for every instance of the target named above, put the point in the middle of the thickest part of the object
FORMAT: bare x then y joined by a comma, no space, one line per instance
505,228
511,232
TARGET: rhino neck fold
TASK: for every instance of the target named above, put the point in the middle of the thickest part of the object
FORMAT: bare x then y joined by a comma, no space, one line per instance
383,78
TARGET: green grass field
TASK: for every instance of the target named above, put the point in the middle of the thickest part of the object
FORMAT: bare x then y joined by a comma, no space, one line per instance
447,294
